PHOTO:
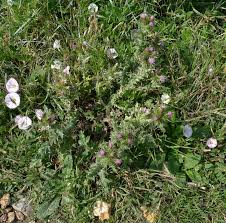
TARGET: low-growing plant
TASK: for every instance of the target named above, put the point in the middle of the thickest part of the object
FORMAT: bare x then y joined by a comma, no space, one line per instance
121,104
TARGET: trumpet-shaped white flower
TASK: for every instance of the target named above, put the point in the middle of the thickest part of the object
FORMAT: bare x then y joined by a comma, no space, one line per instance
187,131
39,113
93,8
18,117
165,99
67,70
56,65
56,44
12,85
23,122
211,143
12,100
112,53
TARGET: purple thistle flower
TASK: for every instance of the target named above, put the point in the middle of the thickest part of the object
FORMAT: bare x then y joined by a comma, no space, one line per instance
101,153
119,135
152,24
152,18
110,144
151,49
151,60
163,79
145,110
118,162
170,114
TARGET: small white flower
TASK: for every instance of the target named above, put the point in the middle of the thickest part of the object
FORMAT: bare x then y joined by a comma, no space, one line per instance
56,65
67,70
210,70
12,100
12,86
165,99
23,122
93,8
39,113
56,44
85,43
211,143
112,53
18,117
187,131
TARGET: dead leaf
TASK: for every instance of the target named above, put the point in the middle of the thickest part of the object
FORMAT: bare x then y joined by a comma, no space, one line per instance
151,217
4,201
3,218
19,216
102,210
7,210
11,217
23,206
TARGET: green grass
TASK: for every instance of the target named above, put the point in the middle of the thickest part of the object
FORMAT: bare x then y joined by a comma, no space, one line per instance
53,163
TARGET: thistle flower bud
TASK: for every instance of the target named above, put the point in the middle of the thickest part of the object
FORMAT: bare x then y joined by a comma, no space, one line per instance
143,15
152,18
101,153
118,162
151,60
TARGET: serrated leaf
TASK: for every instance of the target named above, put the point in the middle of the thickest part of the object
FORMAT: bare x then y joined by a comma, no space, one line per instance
191,160
47,209
194,175
173,162
68,165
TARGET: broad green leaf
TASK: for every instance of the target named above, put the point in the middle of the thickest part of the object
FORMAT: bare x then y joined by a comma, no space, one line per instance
47,209
194,175
173,162
191,160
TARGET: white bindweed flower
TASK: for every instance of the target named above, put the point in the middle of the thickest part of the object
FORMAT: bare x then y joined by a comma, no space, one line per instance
67,70
56,65
23,122
211,143
112,53
187,131
165,99
12,85
18,117
93,8
39,113
12,100
56,44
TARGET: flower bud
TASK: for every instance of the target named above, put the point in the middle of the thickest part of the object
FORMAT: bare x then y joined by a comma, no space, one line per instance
101,153
118,162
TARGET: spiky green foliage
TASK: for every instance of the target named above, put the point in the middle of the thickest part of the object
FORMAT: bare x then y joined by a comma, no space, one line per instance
115,105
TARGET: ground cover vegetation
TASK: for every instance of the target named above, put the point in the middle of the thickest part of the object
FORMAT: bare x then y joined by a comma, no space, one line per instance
112,111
